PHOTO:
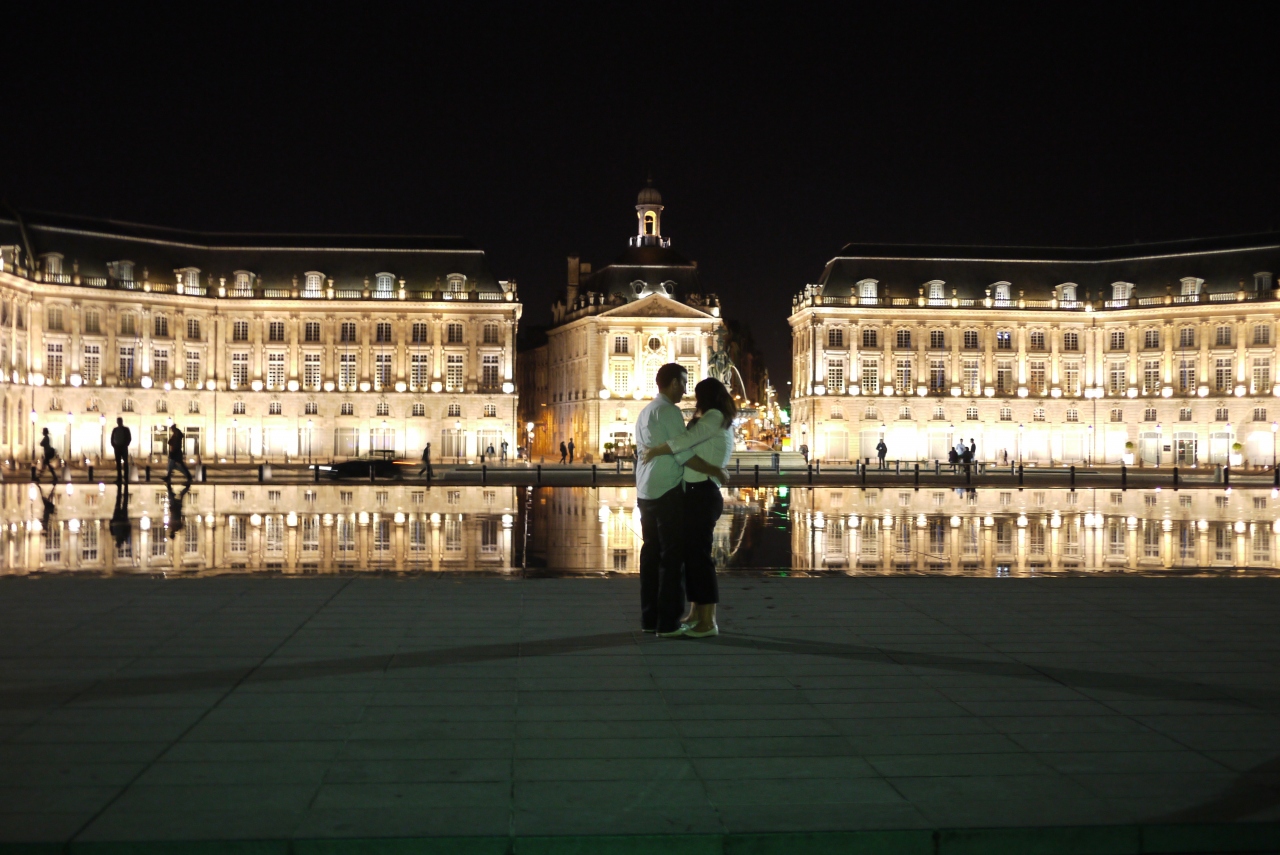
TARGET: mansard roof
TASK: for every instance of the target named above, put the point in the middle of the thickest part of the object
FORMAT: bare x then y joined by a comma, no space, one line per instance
274,258
652,265
903,269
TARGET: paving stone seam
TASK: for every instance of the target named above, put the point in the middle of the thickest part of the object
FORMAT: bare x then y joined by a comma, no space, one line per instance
229,691
1148,839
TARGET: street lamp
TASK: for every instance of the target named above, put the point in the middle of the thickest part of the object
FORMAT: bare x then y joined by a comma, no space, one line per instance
308,440
1275,426
459,445
70,418
102,437
235,440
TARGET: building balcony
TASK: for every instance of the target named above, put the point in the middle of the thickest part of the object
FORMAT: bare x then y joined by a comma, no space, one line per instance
813,300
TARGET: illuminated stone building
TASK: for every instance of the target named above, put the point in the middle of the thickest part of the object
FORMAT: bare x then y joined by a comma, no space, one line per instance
1165,352
257,346
611,332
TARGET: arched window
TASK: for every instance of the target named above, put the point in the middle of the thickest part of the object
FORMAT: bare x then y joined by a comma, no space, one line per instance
314,284
1121,291
386,283
243,284
1001,291
649,221
1191,286
1067,293
935,292
867,290
871,414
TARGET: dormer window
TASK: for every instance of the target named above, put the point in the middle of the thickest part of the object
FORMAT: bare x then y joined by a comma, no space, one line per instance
1190,286
935,293
1121,291
455,282
1262,281
385,283
867,290
52,263
121,271
313,284
1001,291
243,284
1067,293
188,279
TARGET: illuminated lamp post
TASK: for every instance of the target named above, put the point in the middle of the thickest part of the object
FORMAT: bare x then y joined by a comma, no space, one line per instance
459,442
1275,426
70,419
235,440
102,437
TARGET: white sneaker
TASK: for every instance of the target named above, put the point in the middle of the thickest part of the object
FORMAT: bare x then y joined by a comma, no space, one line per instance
693,633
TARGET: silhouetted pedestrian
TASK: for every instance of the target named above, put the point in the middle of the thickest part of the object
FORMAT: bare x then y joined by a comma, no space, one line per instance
50,456
571,450
504,451
121,438
175,455
882,451
564,451
426,462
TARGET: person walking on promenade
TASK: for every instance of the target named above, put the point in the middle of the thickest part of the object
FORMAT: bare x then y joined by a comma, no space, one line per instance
973,450
570,451
660,497
175,455
426,462
504,452
49,456
705,450
882,451
564,451
121,437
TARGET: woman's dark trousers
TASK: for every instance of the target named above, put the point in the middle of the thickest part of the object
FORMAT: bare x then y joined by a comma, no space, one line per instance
703,506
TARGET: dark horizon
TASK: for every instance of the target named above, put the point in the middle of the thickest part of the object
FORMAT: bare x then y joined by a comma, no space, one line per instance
774,140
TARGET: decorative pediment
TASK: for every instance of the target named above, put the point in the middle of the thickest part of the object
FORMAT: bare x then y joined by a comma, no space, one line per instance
655,306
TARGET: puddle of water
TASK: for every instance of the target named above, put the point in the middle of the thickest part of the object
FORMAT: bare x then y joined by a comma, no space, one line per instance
519,531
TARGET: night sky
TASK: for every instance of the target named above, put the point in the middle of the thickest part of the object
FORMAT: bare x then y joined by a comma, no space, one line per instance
774,138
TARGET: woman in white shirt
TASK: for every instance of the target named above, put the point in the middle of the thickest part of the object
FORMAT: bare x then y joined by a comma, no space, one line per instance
705,450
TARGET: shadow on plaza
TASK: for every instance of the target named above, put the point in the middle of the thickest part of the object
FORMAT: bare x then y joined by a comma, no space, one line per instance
1254,791
228,678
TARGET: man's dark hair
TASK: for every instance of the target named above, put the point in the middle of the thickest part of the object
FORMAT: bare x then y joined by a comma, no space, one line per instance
669,372
120,420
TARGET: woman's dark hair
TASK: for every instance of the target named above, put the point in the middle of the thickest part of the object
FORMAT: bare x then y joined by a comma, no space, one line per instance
710,394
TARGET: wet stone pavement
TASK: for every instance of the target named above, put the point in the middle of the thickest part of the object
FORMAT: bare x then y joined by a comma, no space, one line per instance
1110,714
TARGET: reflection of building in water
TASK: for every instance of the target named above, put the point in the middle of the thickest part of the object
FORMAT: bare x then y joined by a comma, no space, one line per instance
290,528
998,532
598,528
585,528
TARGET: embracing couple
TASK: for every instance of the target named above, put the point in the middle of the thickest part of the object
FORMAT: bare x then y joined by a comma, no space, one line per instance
679,472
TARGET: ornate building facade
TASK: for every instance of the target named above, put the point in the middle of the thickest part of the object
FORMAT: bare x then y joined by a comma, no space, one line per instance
1166,353
258,346
610,333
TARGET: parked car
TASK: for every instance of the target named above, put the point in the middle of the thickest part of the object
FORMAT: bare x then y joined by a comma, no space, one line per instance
382,465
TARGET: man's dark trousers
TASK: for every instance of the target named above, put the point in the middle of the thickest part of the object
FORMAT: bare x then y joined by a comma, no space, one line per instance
122,465
662,561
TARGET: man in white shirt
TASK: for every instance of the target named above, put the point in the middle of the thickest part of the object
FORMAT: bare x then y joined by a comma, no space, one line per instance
660,493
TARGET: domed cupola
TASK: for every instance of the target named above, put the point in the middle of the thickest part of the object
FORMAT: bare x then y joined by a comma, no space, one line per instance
649,214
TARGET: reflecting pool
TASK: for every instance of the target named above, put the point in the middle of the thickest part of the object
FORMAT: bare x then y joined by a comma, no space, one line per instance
519,531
